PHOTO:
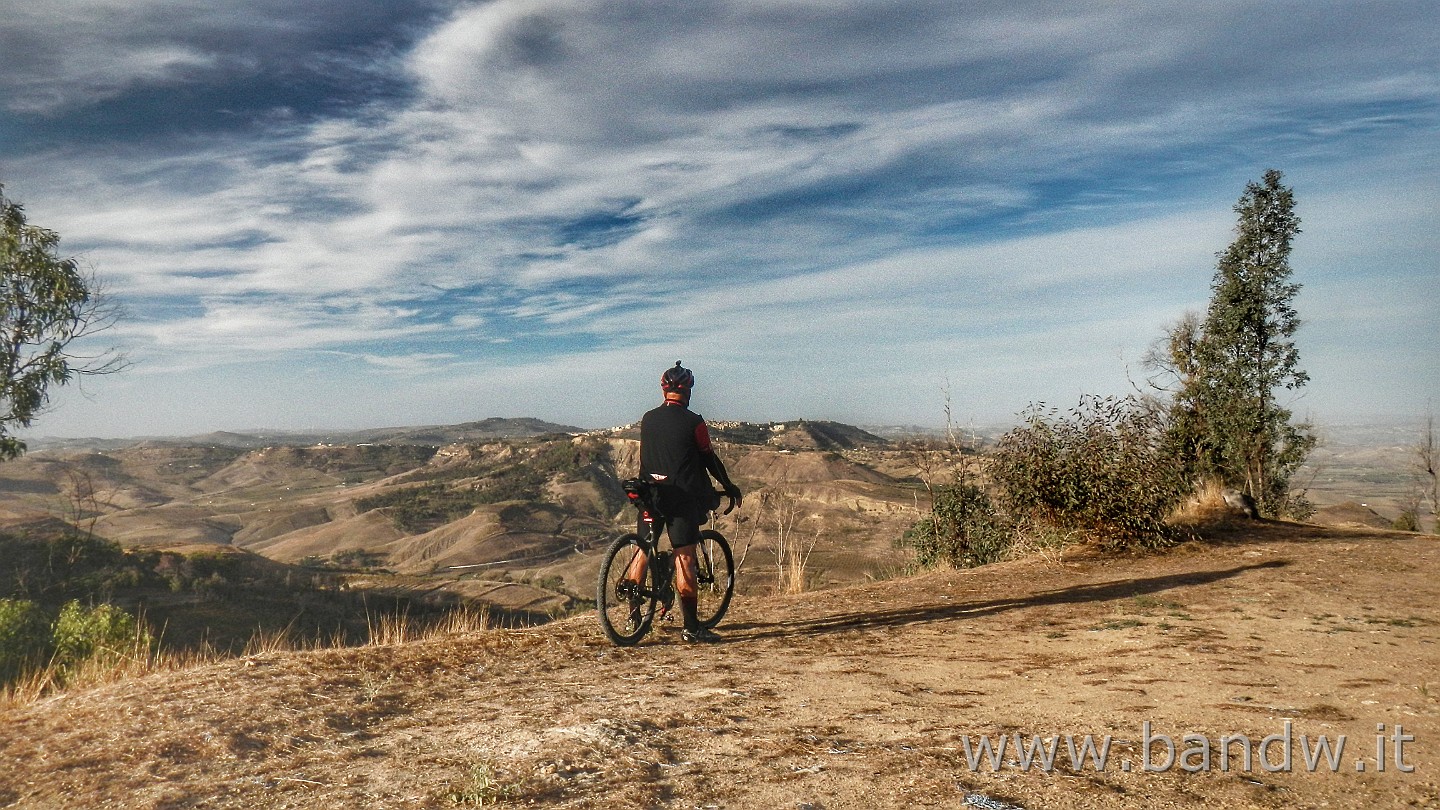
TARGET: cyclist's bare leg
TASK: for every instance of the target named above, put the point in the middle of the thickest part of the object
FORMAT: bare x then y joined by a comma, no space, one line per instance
687,586
635,572
686,579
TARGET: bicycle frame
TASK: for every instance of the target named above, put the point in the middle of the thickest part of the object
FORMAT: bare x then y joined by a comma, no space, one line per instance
636,572
642,497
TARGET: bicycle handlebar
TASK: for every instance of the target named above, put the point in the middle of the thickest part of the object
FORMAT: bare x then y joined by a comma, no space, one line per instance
637,489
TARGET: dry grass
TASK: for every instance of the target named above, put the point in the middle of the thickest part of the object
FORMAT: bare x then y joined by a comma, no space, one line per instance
792,562
400,629
137,659
1205,507
1045,543
142,658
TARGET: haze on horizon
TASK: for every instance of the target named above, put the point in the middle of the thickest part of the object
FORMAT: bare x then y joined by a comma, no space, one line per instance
354,214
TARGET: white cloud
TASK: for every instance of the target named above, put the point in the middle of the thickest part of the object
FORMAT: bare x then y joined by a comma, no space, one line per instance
410,363
240,330
71,65
883,186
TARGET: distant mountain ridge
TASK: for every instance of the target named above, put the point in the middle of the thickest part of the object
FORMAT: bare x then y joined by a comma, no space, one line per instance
482,430
1387,432
796,434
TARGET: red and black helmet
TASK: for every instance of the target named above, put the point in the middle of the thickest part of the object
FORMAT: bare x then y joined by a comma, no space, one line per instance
677,378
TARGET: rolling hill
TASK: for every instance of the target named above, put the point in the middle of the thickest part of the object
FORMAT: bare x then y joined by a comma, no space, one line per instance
501,502
510,512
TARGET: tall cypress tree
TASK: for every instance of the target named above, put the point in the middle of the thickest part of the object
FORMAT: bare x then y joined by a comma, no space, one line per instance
1239,431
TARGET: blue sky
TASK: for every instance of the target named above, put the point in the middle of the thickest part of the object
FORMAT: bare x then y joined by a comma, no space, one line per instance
343,213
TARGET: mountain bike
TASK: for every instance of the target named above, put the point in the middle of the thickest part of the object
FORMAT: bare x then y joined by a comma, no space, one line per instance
629,605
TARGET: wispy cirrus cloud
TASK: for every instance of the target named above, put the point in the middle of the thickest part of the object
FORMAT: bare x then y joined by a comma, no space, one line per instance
69,55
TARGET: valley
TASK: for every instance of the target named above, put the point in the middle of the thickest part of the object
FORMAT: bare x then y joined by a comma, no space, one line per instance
509,515
291,532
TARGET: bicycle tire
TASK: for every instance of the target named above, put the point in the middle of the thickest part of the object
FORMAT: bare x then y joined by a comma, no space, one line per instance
613,597
716,577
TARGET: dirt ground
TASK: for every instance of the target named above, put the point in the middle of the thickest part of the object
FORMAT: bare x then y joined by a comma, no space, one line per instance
868,696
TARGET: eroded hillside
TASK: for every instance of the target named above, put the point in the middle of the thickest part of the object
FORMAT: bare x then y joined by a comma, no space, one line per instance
512,521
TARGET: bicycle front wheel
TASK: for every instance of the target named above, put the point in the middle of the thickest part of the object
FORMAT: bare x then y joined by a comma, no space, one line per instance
716,577
625,599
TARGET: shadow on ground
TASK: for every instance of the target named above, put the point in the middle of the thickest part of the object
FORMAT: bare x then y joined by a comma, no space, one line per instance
872,620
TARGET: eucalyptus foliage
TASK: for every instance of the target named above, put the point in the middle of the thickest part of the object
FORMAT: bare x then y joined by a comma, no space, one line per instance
45,304
1101,469
24,638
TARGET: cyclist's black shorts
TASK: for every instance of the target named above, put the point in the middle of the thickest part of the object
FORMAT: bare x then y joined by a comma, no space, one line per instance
686,515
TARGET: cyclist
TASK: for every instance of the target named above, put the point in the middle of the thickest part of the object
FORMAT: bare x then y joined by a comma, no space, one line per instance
676,453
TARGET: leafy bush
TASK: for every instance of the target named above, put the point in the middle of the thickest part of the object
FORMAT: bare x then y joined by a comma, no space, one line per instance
103,634
962,529
1101,469
24,638
40,567
350,559
1409,521
56,569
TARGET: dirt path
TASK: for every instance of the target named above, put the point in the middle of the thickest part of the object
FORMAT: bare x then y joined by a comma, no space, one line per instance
861,697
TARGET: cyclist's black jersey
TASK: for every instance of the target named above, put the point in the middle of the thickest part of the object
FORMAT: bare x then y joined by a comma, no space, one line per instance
672,437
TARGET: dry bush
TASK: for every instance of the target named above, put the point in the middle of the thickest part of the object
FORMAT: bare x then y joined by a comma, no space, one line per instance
1205,507
785,514
793,564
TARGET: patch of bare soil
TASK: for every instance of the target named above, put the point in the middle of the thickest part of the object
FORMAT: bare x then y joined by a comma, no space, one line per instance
867,696
1350,515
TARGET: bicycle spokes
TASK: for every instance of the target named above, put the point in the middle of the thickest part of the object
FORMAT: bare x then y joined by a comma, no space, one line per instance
625,597
637,581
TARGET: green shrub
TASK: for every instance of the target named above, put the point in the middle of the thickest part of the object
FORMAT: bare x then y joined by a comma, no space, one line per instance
1101,469
550,583
962,529
38,567
1409,521
103,634
358,558
24,638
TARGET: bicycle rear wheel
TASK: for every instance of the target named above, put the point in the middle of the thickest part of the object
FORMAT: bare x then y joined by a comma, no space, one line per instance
625,608
716,577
